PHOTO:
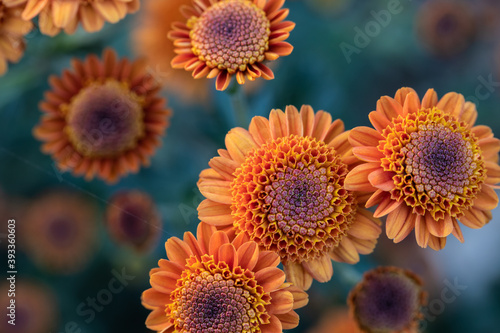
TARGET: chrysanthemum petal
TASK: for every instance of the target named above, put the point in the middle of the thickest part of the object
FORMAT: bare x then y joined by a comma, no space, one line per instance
227,254
33,8
389,107
282,302
412,103
357,179
63,12
270,278
154,298
382,179
216,190
215,213
378,120
452,103
157,320
469,113
288,320
402,94
430,99
439,228
218,239
273,326
248,255
321,269
260,130
475,218
307,115
490,148
437,243
386,206
492,172
368,154
322,121
421,232
239,143
364,136
345,252
296,274
364,228
277,123
399,224
177,250
336,128
457,232
164,281
222,81
486,199
293,121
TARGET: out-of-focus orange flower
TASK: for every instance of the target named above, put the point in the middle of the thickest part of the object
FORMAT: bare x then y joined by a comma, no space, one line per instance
231,37
149,41
282,183
388,299
336,320
210,284
35,308
133,220
102,118
428,166
59,231
12,30
446,27
54,15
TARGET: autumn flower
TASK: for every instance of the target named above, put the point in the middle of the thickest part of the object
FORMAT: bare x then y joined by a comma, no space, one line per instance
133,220
388,300
231,37
54,15
446,27
59,232
12,30
336,320
102,118
282,183
210,284
428,166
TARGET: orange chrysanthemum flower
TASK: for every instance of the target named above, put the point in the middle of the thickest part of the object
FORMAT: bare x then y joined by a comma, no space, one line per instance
35,308
446,27
132,219
282,183
388,300
55,15
59,232
223,38
210,284
12,30
103,118
428,165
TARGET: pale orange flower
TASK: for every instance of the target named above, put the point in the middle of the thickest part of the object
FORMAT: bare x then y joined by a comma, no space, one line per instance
231,37
428,166
54,15
336,320
12,30
103,118
210,284
282,183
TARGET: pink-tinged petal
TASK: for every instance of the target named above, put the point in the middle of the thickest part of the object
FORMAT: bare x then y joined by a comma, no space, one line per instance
389,107
293,121
260,130
452,103
277,123
321,269
289,320
216,190
364,136
177,250
368,154
412,104
440,228
297,275
430,99
215,213
386,206
382,179
421,232
486,199
270,278
222,81
345,252
378,120
227,254
399,223
281,302
248,255
307,115
357,179
239,143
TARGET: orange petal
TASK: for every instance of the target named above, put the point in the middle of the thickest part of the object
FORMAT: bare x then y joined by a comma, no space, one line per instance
293,121
475,218
368,154
345,252
335,129
157,320
239,143
382,179
191,241
216,190
215,213
452,103
364,136
437,243
277,123
270,278
389,107
402,93
154,298
364,246
227,254
322,121
248,255
289,320
164,281
378,120
222,81
64,12
457,232
33,8
412,103
430,99
218,239
357,179
399,223
300,297
280,48
490,148
224,166
321,269
440,228
177,250
363,227
260,130
266,259
266,72
469,113
274,326
492,172
204,233
297,275
307,115
386,206
281,302
486,199
421,232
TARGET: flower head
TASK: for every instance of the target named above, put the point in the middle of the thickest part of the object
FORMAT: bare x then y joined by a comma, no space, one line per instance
428,165
35,308
133,220
12,30
336,320
210,284
102,118
446,27
55,15
282,184
60,232
231,37
387,300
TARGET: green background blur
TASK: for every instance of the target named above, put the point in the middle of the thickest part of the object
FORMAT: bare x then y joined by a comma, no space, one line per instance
316,73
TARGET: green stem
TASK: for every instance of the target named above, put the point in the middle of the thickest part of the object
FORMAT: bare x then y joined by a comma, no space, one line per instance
239,104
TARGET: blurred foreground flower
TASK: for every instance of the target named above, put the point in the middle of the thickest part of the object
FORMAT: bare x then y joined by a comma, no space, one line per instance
103,118
388,300
210,284
223,38
12,30
337,320
446,27
35,308
59,232
133,220
282,183
63,14
428,166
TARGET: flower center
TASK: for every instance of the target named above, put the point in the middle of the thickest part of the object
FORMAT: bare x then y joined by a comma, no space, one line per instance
61,231
437,162
289,196
134,223
212,298
104,119
231,34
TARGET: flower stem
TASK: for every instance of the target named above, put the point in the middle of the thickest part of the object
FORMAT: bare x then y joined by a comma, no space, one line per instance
239,104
